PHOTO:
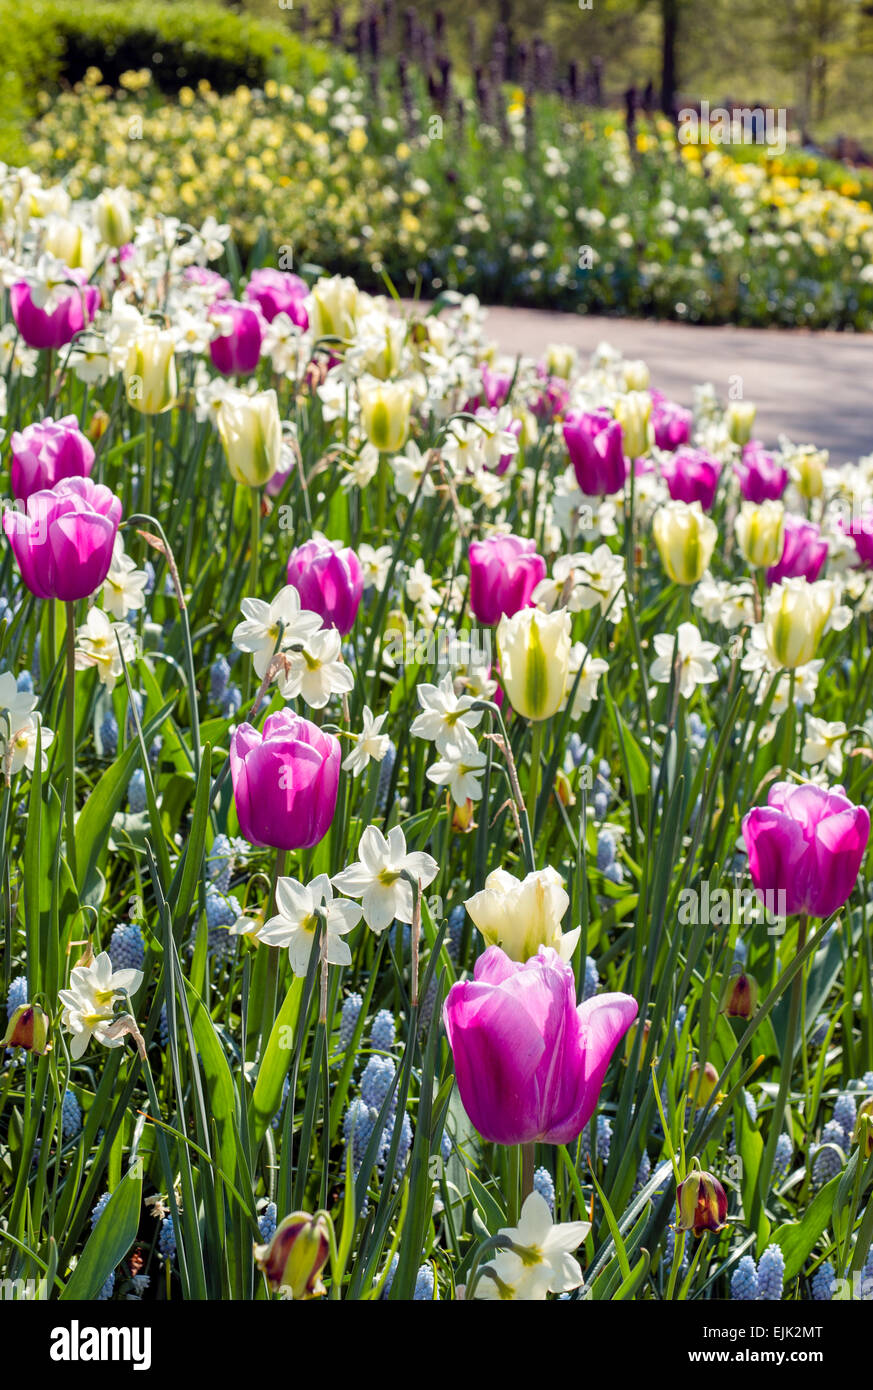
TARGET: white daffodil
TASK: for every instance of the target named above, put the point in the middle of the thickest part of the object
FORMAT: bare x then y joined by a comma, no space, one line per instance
318,671
376,877
541,1260
447,718
592,668
420,587
124,586
695,658
370,743
268,624
20,743
296,921
89,1002
18,703
600,579
408,469
824,744
375,564
96,645
460,769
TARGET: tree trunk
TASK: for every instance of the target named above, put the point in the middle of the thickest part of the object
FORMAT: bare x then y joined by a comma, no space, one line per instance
669,33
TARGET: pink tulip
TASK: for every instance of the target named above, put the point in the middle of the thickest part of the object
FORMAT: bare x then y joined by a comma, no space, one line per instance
53,329
691,476
285,781
553,399
329,582
803,553
529,1063
671,423
860,528
63,540
807,844
47,451
761,477
594,442
504,571
279,292
210,280
236,353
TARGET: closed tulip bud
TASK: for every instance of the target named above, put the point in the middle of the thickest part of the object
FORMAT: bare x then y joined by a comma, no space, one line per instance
385,410
504,571
332,307
251,433
702,1203
632,412
76,304
71,243
740,997
636,375
701,1083
534,651
805,848
285,780
519,916
796,614
98,426
278,292
297,1254
560,360
64,538
629,1042
685,539
739,418
28,1028
863,1135
112,214
597,451
807,472
150,371
328,578
47,451
760,531
671,425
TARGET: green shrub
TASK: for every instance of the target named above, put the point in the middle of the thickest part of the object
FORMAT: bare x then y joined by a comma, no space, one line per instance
51,42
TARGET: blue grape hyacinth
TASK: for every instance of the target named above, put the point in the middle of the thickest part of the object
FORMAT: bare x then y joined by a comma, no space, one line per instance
771,1275
349,1015
127,947
383,1031
744,1281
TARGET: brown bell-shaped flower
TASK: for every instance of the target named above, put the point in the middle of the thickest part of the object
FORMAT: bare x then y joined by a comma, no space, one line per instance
702,1203
28,1028
740,997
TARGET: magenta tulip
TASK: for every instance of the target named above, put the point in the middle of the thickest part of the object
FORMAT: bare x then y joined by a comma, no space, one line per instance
761,477
529,1063
284,781
594,442
803,553
236,352
41,328
64,538
47,451
329,581
805,848
691,476
860,528
671,423
553,399
279,292
215,285
504,571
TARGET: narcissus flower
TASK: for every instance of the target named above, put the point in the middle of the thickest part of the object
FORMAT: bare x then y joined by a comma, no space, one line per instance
377,877
540,1260
520,915
534,651
806,846
529,1063
296,919
687,650
89,1003
285,781
685,539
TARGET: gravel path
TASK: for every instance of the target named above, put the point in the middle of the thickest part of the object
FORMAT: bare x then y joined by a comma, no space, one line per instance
814,387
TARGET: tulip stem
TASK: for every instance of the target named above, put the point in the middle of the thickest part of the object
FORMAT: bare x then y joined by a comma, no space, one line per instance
527,1171
513,1154
145,505
70,736
255,500
778,1111
536,747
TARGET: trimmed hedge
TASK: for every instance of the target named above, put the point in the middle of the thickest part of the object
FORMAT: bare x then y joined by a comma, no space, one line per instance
48,42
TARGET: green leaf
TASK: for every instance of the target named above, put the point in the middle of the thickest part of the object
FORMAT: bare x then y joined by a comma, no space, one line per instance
796,1239
109,1241
277,1060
